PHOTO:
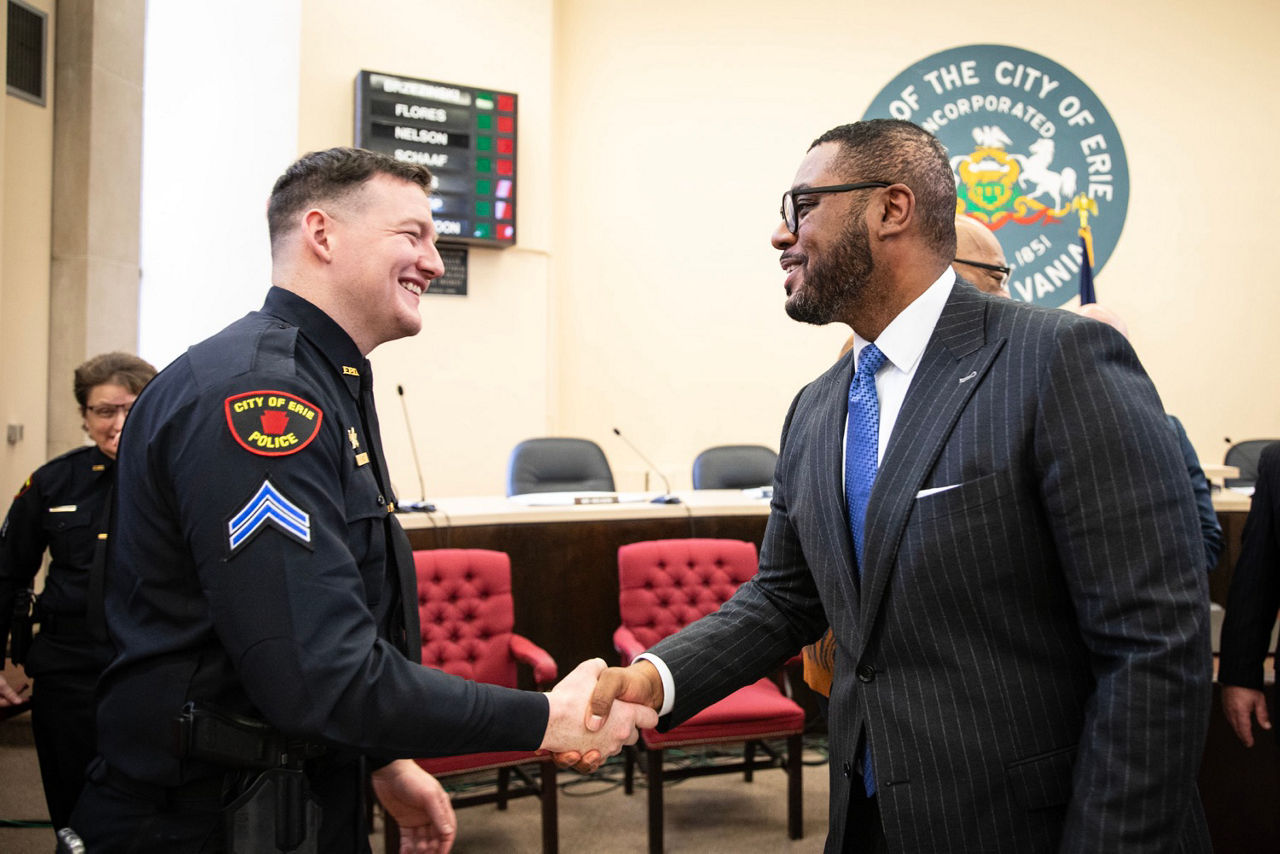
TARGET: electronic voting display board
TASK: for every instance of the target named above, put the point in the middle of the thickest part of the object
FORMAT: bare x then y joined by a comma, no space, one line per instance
465,136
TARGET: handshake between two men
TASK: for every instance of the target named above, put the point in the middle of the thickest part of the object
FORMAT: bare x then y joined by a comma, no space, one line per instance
595,710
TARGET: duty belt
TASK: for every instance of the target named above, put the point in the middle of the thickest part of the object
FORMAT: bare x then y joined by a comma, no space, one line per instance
234,741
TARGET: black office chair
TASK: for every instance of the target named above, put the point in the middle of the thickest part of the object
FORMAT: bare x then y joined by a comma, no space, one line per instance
1244,456
558,465
734,467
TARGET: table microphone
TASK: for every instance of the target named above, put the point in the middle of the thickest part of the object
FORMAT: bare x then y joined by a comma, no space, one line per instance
422,505
661,499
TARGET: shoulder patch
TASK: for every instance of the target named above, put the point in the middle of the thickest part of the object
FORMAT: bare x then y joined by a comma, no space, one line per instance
272,423
22,490
268,506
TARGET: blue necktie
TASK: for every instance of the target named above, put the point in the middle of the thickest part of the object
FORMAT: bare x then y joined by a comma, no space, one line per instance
862,444
862,447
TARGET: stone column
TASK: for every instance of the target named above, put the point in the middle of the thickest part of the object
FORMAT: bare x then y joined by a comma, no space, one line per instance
97,176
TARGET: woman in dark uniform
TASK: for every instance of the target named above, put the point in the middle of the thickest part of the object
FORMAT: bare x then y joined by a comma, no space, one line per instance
63,507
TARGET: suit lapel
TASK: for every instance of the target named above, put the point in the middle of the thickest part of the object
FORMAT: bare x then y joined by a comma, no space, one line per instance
954,364
832,499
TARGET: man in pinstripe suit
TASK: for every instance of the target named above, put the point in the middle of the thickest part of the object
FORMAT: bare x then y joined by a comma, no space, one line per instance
1023,653
1252,603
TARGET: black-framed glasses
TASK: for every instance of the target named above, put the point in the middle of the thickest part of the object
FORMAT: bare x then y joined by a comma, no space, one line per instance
995,268
788,211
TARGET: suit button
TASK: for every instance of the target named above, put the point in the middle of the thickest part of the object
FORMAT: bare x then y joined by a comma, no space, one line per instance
848,770
866,673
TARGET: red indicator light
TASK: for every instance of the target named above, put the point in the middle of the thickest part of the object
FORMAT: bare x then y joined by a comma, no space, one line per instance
506,103
506,124
505,146
506,232
502,209
505,167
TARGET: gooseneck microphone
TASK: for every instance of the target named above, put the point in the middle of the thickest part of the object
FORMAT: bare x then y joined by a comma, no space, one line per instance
422,505
668,498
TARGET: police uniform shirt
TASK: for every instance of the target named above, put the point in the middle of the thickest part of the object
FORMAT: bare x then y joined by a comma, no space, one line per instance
254,562
59,508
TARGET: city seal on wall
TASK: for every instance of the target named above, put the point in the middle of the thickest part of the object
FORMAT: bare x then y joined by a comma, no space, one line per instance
1035,154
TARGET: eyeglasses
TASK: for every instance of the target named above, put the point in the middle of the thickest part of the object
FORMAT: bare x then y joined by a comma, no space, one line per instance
995,268
789,210
108,411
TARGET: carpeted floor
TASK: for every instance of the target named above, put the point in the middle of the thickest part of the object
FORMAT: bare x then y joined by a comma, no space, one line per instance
706,814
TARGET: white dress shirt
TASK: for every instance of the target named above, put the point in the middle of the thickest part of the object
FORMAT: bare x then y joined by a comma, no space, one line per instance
902,342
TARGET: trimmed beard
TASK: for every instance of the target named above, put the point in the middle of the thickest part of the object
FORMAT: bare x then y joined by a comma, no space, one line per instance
839,281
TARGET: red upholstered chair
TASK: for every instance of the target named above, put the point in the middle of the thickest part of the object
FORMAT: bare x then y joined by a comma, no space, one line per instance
663,586
467,615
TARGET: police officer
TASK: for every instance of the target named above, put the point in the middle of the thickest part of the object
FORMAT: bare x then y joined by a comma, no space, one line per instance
260,584
63,508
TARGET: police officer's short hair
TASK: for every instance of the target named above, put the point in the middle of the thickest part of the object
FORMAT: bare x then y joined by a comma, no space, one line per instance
329,176
122,369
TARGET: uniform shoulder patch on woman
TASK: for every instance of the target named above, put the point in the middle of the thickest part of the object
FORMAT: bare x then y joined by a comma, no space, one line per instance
272,423
22,490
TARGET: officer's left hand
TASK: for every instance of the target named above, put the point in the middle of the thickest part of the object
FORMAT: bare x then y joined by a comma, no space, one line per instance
419,805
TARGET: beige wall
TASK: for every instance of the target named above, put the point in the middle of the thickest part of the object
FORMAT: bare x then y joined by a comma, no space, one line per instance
26,179
679,124
655,141
479,377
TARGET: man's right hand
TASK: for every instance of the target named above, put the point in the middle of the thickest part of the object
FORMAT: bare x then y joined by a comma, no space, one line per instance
568,736
616,688
1242,706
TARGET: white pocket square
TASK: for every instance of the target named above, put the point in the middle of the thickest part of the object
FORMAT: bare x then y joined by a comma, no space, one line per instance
934,490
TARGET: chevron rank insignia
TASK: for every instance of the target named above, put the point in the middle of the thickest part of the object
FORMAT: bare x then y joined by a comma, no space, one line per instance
272,423
268,507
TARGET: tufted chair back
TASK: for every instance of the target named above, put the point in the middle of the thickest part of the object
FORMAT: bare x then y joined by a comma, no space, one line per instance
467,614
666,584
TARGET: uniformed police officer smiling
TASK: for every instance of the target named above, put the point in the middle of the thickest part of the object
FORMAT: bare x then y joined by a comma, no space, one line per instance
259,574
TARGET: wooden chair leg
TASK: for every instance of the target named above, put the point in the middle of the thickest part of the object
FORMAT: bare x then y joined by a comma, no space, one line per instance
390,834
628,769
550,815
504,783
795,791
654,758
748,760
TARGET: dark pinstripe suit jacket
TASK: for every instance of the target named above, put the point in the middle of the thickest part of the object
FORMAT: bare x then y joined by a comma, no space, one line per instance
1028,651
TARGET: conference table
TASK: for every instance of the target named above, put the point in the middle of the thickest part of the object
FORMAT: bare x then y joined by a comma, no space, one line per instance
564,570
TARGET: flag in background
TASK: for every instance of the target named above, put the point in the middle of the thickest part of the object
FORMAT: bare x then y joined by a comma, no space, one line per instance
1085,206
1086,270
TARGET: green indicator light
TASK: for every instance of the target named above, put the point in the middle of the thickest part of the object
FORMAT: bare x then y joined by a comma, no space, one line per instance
484,208
484,187
484,122
484,143
483,230
484,164
484,101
